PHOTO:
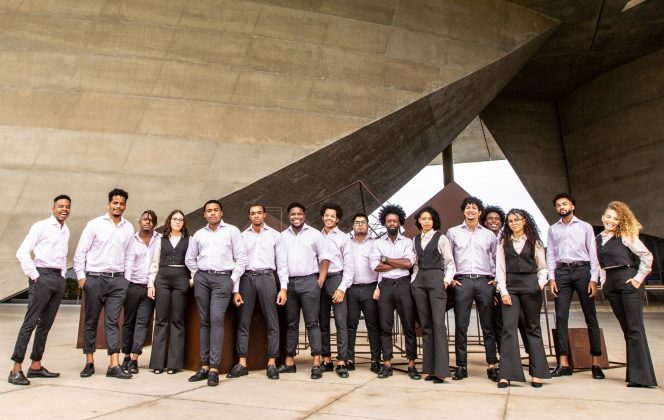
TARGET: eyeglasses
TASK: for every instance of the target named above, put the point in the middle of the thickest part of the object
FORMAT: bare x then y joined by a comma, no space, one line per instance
513,221
177,220
360,222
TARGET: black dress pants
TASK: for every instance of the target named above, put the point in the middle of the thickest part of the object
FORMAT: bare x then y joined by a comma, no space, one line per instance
360,301
303,293
479,290
570,280
340,318
431,300
526,296
627,304
261,287
107,293
498,324
171,290
395,295
44,297
138,308
213,293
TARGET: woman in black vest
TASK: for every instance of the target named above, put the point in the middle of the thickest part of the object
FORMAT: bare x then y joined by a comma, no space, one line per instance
521,275
625,263
433,272
168,284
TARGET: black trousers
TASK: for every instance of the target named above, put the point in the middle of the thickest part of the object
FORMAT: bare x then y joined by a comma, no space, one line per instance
431,300
138,308
395,295
303,293
44,297
527,298
498,324
568,281
360,301
627,304
213,293
340,318
107,293
171,290
262,287
482,293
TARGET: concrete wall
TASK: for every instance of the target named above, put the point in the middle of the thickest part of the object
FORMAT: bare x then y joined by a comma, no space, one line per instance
613,130
181,101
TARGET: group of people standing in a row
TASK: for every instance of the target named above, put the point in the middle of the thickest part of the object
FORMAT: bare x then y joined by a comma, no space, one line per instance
496,260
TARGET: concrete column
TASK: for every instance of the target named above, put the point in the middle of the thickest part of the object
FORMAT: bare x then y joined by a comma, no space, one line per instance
448,165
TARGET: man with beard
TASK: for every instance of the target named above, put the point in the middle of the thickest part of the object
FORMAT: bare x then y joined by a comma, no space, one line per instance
48,240
308,259
392,256
474,248
103,264
571,256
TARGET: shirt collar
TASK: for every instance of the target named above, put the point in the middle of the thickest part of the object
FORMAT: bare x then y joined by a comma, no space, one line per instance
523,238
264,226
399,237
334,231
122,219
574,219
465,226
304,227
366,239
155,235
53,221
429,234
221,224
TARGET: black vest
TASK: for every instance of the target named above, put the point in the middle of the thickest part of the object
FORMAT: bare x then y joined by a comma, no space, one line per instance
520,263
170,255
429,258
614,253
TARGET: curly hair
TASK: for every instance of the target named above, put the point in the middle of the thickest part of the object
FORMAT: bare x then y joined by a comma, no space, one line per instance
628,226
530,229
492,209
332,206
472,200
167,225
392,209
434,215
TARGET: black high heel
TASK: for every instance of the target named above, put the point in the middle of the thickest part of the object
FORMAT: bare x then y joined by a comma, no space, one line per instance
501,384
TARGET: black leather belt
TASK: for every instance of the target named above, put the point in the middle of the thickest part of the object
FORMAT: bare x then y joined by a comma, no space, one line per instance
472,276
258,272
573,264
218,273
295,278
336,273
105,274
142,285
50,270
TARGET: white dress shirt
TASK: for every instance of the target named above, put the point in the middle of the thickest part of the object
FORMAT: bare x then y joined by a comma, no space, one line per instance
402,247
217,250
518,244
639,249
474,251
143,257
305,250
445,250
362,271
341,258
265,250
105,247
571,242
49,241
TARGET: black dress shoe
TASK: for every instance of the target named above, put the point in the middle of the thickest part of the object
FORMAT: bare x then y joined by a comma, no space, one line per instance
284,368
503,384
561,370
42,372
429,378
125,364
132,367
342,371
385,371
316,372
88,370
272,372
327,367
414,374
171,371
17,378
237,371
492,373
213,378
597,372
437,380
536,384
375,366
117,372
200,375
350,365
461,373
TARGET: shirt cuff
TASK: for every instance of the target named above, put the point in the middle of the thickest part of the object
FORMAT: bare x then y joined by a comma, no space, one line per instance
34,275
80,275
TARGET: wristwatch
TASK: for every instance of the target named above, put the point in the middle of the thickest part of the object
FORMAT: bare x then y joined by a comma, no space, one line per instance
383,259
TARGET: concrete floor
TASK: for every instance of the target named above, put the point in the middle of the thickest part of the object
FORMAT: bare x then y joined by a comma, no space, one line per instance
295,396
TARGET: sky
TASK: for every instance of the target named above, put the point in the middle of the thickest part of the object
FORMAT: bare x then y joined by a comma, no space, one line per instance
494,182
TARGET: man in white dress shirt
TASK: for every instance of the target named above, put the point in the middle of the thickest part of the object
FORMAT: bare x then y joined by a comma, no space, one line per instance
103,264
48,240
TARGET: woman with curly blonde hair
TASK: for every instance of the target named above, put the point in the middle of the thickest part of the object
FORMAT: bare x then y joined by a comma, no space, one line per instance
625,263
